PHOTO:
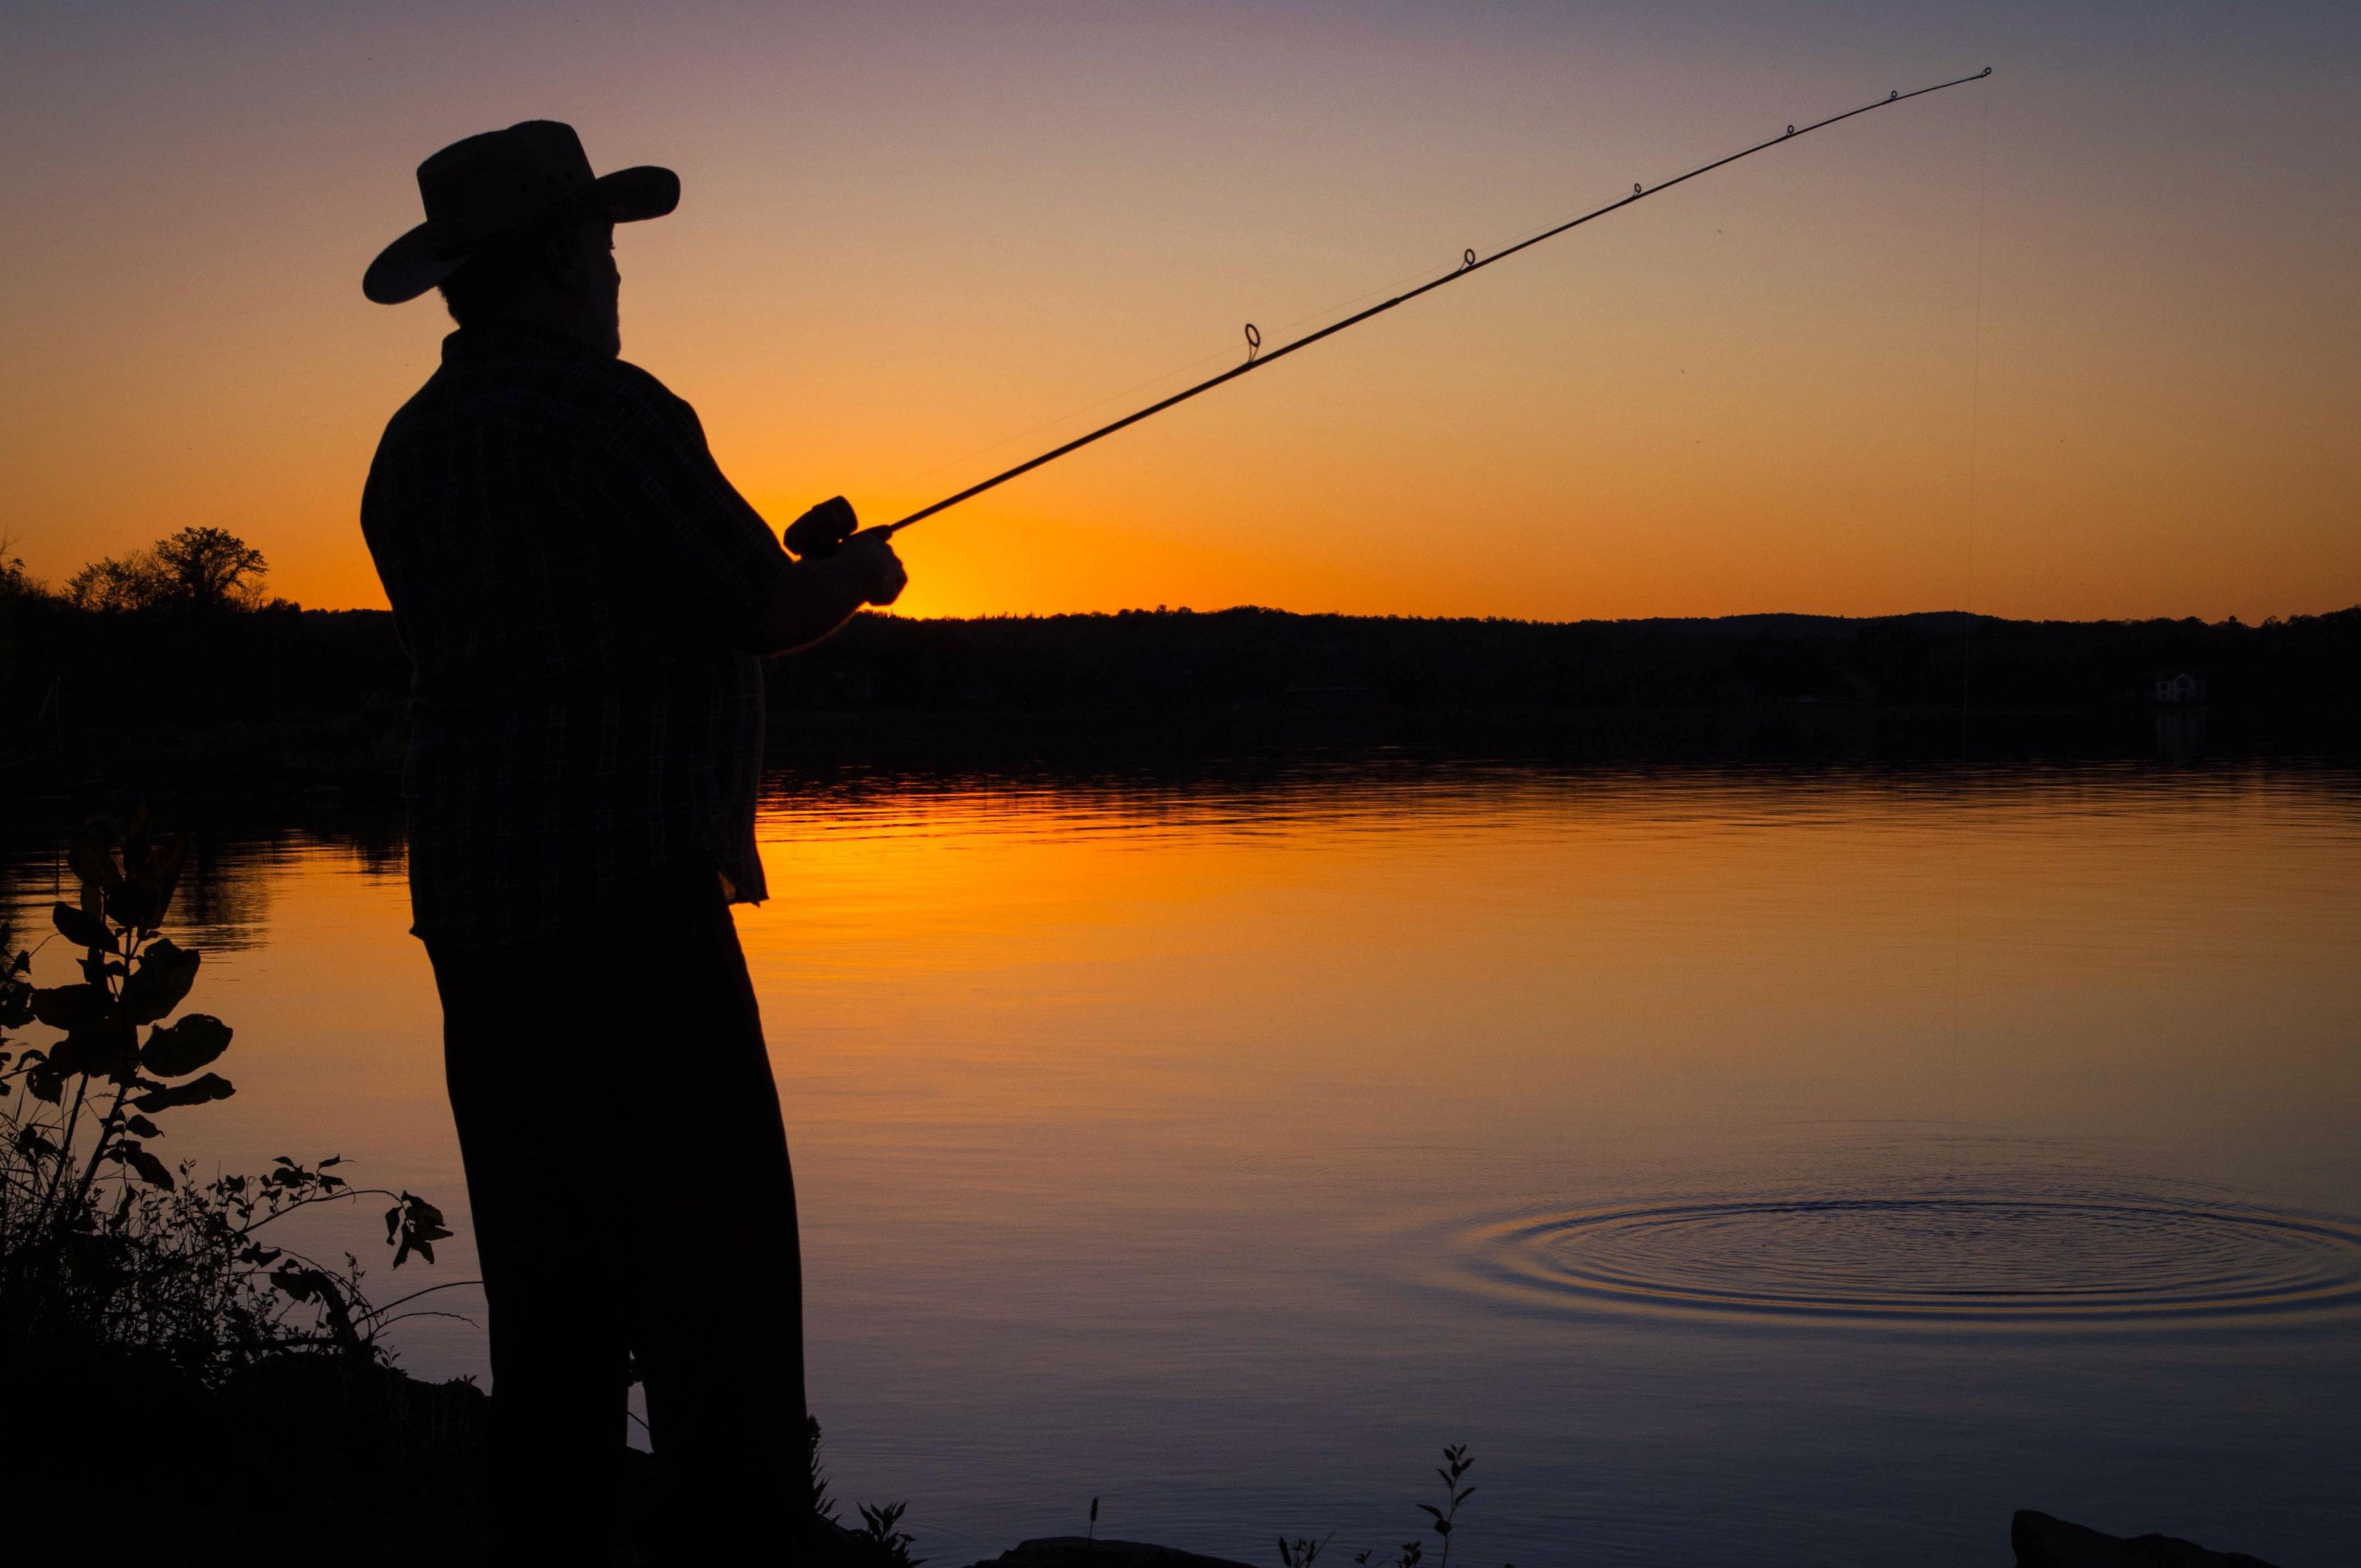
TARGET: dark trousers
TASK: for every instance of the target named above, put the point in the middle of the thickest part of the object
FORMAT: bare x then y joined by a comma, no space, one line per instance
628,1172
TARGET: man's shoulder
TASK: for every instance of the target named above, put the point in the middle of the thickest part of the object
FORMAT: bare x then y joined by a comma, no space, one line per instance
598,400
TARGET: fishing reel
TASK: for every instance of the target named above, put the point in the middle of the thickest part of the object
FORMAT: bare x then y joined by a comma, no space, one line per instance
815,535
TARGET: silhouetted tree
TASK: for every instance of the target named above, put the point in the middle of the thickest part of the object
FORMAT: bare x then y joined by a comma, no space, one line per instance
14,582
197,568
209,567
132,582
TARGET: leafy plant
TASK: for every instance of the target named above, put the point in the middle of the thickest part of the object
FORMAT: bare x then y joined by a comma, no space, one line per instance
1455,1463
1443,1520
1299,1552
823,1506
880,1542
881,1532
104,1246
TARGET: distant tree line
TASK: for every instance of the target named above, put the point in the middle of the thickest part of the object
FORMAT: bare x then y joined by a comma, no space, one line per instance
1269,661
175,660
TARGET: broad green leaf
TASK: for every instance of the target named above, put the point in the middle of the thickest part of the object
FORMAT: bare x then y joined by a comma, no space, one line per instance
70,1056
162,978
93,863
85,1051
157,878
416,1225
72,1008
82,929
151,1170
137,903
297,1282
196,1091
173,1049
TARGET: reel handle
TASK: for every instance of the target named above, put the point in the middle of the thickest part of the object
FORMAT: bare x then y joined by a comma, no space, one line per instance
815,535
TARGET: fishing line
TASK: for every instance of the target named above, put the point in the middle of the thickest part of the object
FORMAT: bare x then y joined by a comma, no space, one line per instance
1975,422
1257,356
1035,428
1961,912
1330,308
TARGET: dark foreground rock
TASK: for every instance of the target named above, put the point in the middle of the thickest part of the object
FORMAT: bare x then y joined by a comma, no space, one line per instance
372,1468
123,1448
1076,1551
2042,1541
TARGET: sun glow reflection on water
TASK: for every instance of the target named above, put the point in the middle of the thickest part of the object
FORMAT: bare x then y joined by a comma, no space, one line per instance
1222,1148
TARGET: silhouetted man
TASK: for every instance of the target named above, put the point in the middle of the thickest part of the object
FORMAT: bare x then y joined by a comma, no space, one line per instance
585,601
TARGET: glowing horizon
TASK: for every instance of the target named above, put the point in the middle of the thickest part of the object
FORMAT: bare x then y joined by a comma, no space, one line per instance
2075,342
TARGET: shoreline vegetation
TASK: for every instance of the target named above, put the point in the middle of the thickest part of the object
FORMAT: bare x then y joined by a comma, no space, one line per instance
268,700
188,1369
179,1353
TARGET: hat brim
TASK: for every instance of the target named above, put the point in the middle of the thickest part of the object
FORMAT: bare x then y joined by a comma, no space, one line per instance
416,262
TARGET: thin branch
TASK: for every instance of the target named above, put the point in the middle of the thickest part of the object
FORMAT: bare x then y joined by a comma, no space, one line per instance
376,1327
414,1295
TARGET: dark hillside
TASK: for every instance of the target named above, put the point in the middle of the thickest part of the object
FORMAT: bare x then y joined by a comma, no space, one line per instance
1259,660
288,698
204,696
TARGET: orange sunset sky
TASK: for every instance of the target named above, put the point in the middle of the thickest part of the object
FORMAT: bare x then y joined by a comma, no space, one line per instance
2077,341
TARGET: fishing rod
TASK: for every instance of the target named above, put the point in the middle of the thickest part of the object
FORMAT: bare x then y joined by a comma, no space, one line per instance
827,525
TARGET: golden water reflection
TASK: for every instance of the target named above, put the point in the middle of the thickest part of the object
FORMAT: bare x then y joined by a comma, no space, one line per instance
1136,1123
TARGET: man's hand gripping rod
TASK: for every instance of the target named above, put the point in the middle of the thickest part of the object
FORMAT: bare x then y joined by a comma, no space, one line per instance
820,531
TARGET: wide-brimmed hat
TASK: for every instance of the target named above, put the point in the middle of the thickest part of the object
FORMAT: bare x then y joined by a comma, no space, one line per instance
503,185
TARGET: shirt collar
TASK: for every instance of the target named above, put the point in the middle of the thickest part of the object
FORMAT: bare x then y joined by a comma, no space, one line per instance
511,340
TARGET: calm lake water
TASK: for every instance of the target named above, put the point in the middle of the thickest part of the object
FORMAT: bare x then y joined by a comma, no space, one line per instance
1775,1168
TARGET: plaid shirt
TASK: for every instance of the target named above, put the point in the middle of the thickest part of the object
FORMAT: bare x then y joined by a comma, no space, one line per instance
583,597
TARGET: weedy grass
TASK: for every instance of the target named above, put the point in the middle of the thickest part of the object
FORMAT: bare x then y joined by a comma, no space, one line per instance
1300,1552
155,1325
1443,1520
881,1533
152,1324
1456,1462
104,1249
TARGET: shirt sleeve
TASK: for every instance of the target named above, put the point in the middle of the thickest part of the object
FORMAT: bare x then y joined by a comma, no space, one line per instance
655,469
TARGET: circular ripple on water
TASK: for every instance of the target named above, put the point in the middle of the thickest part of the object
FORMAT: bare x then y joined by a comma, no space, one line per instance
1930,1259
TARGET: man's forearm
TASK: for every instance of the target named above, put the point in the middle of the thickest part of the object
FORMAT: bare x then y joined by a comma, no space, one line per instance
816,599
